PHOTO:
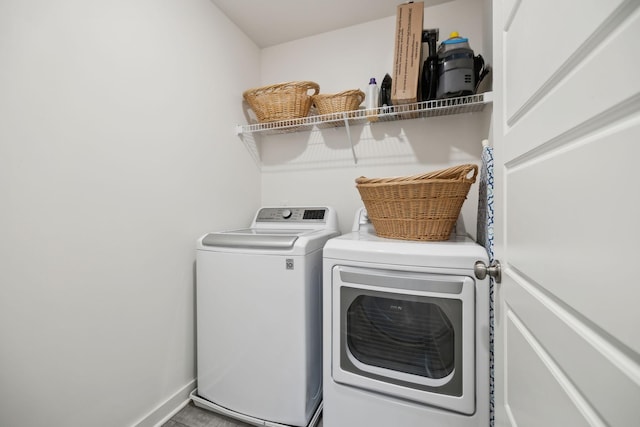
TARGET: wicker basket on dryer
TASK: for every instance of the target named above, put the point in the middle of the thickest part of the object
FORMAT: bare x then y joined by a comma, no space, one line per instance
417,207
281,101
347,100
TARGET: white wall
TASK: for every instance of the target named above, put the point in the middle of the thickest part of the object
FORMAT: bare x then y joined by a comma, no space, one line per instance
317,167
116,152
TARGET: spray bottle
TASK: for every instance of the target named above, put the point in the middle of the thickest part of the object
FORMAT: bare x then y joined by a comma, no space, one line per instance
372,100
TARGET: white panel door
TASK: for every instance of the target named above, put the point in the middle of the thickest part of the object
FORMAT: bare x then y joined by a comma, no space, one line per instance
566,135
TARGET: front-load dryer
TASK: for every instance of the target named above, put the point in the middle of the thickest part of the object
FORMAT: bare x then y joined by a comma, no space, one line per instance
259,328
406,332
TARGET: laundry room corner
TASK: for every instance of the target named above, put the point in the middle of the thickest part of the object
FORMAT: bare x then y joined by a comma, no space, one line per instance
321,165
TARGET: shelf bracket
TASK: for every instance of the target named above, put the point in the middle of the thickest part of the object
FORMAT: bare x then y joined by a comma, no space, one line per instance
348,129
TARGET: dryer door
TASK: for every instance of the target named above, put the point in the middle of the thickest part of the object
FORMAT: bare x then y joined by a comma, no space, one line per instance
405,334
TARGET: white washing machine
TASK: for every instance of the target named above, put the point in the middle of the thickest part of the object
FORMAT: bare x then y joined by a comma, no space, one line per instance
406,332
259,317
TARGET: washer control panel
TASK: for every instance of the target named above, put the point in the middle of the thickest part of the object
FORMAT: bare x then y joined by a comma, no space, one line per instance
290,214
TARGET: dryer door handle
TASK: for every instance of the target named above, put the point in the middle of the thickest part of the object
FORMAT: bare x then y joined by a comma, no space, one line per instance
494,270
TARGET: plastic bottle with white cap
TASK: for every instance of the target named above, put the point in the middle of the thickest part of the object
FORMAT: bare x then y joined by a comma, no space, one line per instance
372,100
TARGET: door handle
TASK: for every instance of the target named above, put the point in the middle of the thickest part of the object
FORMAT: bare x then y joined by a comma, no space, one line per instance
494,270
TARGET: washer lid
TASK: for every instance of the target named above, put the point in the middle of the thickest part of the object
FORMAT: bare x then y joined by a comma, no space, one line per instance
253,238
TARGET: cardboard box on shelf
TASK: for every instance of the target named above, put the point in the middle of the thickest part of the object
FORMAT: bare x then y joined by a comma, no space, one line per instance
407,54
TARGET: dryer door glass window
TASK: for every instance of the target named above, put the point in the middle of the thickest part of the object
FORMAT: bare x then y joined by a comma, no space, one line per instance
414,337
405,333
406,329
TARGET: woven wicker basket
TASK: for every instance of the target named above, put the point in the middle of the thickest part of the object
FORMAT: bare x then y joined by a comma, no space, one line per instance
282,101
347,100
418,207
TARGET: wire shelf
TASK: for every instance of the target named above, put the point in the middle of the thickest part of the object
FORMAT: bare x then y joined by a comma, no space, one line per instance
439,107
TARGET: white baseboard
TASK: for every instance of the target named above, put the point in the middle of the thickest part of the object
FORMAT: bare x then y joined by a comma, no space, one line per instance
163,412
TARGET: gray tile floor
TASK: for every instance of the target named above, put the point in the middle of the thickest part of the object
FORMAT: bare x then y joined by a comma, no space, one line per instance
193,416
